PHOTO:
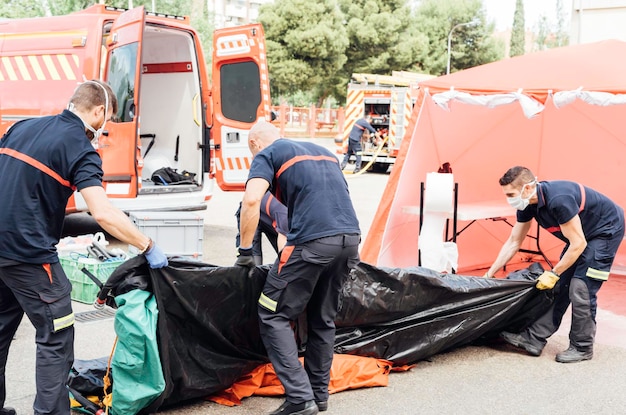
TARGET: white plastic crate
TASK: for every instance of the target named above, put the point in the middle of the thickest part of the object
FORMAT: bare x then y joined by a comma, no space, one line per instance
176,233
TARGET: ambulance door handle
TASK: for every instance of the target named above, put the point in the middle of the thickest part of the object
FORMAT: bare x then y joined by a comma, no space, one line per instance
195,109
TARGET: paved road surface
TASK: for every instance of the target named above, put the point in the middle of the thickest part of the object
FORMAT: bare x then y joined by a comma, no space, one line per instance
472,380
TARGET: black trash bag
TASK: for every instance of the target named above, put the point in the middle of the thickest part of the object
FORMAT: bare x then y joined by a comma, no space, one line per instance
168,176
406,315
87,376
131,275
208,330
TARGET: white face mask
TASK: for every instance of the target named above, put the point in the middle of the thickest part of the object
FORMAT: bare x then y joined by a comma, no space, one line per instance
520,203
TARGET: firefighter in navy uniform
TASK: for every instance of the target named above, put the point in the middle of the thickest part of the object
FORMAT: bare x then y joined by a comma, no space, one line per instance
272,224
592,227
43,160
322,247
354,141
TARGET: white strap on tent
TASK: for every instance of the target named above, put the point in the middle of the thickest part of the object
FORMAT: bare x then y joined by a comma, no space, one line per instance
602,99
530,106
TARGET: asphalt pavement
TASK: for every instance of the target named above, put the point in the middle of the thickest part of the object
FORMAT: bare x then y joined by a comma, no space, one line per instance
489,379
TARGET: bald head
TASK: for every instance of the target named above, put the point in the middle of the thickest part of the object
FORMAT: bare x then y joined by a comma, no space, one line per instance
261,135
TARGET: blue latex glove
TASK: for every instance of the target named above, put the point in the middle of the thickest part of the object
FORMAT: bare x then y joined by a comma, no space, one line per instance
156,258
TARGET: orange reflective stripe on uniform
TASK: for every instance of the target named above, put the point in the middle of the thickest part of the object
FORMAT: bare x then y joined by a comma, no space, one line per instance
36,164
597,274
267,206
298,159
284,256
48,270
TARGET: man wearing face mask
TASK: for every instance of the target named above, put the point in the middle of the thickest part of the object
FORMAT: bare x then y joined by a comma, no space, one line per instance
592,227
44,160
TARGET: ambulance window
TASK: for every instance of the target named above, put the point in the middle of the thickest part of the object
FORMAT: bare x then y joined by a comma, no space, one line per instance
240,91
121,78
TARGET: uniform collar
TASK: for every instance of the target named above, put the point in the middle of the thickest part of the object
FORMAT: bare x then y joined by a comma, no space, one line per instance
541,200
69,115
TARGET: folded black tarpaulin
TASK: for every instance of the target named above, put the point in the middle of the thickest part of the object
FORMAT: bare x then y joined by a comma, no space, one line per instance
208,333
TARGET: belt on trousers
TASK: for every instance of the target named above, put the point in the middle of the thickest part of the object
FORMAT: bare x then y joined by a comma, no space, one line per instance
340,240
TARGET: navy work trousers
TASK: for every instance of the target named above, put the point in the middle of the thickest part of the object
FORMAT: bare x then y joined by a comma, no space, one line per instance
578,285
354,147
306,277
43,293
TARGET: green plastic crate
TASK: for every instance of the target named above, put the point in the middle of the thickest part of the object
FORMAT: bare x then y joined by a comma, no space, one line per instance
84,290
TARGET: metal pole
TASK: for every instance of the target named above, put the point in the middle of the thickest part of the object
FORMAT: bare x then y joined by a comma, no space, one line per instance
580,20
449,40
472,23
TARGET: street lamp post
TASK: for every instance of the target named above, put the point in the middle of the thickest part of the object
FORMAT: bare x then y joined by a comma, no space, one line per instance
472,23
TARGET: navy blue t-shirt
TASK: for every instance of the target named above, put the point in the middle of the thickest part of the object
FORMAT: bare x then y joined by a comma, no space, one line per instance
559,201
274,214
42,161
307,179
357,129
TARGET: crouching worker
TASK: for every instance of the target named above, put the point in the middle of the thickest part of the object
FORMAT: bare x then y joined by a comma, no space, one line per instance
47,159
272,224
592,227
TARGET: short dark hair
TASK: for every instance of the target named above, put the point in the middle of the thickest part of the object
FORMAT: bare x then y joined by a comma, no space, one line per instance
517,175
88,95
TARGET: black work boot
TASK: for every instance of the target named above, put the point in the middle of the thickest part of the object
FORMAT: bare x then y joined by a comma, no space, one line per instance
305,408
7,411
520,341
322,405
573,355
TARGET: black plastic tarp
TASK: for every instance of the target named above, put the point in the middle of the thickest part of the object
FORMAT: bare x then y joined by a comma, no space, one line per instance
208,329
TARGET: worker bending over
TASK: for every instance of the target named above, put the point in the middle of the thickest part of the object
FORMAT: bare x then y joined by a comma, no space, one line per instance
592,227
322,246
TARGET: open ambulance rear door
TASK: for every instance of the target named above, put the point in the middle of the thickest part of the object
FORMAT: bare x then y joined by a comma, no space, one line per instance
118,145
240,98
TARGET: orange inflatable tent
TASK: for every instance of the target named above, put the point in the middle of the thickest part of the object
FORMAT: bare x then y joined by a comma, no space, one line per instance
559,112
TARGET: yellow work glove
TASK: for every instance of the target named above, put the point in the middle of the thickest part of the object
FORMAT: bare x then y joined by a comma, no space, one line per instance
547,280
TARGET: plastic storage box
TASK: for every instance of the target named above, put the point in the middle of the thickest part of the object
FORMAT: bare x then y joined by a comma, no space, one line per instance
176,233
84,290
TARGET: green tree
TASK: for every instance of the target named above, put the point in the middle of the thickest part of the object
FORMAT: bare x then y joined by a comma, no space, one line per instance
382,36
13,9
518,39
562,35
471,45
547,35
306,43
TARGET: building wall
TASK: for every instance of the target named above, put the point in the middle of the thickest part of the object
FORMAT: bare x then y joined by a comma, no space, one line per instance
595,20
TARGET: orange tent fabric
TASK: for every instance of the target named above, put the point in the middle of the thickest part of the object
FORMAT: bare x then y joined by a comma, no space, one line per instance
580,142
347,372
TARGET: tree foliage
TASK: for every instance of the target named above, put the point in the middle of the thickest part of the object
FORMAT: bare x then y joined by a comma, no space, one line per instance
548,35
315,46
518,38
306,43
382,37
471,45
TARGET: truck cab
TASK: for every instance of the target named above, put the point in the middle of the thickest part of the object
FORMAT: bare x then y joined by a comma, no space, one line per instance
170,114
